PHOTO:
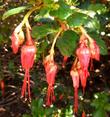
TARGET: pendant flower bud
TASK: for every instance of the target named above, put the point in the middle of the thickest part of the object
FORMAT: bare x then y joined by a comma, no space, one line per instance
95,50
75,78
51,71
17,39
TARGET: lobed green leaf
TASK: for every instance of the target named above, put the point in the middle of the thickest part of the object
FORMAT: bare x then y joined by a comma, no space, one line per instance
67,43
99,8
14,11
76,19
63,12
39,32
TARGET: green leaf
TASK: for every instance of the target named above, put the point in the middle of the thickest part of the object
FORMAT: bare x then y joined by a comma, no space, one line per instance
67,43
26,115
107,107
48,1
39,32
99,8
93,24
1,38
100,42
103,47
76,19
11,65
62,12
41,49
14,11
43,14
100,113
49,111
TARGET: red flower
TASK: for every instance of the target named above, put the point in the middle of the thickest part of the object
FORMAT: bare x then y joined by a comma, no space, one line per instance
95,50
51,71
64,61
28,52
83,114
83,54
17,39
75,78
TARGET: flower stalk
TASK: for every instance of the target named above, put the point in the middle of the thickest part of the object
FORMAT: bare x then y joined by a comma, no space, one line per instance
54,41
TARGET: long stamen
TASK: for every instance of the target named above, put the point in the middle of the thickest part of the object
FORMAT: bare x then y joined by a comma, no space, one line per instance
23,91
29,93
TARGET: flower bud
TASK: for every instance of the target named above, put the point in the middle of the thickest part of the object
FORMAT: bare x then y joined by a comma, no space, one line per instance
17,39
95,50
75,78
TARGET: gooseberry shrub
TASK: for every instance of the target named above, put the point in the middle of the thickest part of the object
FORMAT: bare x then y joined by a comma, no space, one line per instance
71,27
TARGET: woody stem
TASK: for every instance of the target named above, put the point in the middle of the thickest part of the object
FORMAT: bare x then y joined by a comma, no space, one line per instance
54,41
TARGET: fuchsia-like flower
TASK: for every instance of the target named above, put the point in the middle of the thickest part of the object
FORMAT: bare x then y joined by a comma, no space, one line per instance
75,78
28,52
51,71
95,50
83,54
17,38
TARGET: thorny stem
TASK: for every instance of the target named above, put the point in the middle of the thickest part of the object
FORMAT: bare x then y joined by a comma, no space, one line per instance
85,33
54,41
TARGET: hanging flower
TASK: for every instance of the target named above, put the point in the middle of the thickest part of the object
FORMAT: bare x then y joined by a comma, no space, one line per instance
51,71
28,52
83,114
75,78
17,39
83,54
95,50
